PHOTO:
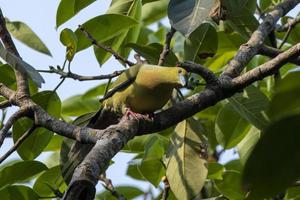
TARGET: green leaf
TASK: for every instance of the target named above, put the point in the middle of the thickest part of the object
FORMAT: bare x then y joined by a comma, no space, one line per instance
186,16
292,194
69,8
49,180
231,185
9,79
154,11
246,146
20,171
230,127
39,139
240,16
131,8
252,106
152,52
69,39
154,151
139,143
215,171
129,192
76,106
23,33
264,4
153,176
286,98
203,40
55,143
19,192
17,63
274,162
114,24
186,160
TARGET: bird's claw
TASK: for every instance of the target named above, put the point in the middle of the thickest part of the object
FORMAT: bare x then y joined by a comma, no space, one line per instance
133,115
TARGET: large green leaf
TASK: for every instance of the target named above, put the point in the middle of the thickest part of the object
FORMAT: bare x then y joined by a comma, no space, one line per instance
114,25
152,52
50,180
286,98
76,105
230,127
186,16
274,162
55,143
20,171
154,151
24,33
292,194
18,192
39,139
231,186
240,16
203,40
129,192
246,146
152,12
252,105
131,8
69,8
186,160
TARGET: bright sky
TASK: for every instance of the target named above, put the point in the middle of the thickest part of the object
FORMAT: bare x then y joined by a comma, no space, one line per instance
40,16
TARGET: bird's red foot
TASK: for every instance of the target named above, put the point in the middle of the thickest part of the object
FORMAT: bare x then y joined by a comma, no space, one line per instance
133,115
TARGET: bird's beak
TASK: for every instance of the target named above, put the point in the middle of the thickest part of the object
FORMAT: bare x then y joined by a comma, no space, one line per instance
182,80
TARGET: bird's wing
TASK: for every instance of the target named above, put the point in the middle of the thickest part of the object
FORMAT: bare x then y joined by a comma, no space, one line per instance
123,81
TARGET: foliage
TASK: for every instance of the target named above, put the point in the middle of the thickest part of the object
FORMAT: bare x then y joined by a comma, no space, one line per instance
261,123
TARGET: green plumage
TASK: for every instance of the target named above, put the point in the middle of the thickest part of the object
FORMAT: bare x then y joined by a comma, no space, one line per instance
142,89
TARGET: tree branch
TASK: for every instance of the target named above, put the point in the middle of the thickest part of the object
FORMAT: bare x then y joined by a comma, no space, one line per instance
290,24
17,115
105,48
18,143
22,81
80,77
109,186
166,48
249,50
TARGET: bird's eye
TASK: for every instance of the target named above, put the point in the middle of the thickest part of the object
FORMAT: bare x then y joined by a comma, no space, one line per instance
179,71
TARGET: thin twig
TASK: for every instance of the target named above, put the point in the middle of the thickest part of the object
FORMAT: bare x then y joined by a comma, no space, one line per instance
59,84
166,48
17,115
105,48
79,77
109,186
286,36
18,143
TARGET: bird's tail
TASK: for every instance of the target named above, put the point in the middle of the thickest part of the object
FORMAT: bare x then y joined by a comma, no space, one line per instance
73,152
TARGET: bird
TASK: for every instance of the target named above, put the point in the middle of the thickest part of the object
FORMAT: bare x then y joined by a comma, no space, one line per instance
140,90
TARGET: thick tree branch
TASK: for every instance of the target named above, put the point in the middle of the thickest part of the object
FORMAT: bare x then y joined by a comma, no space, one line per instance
249,50
22,81
80,77
105,48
